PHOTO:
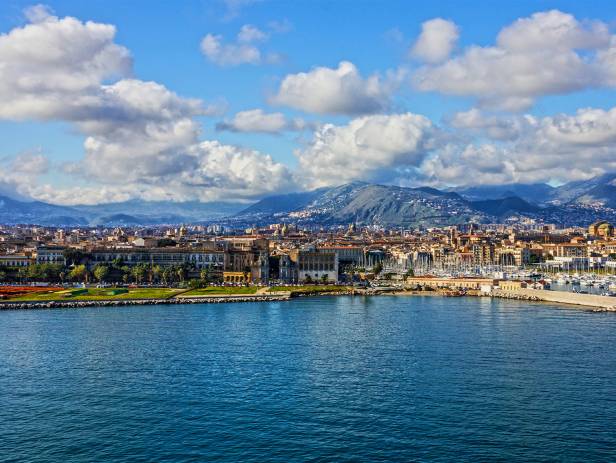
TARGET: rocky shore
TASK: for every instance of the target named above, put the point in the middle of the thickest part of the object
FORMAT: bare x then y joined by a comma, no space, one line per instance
22,305
587,302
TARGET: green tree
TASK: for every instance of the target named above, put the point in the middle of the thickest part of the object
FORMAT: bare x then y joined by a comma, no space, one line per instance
181,271
101,272
205,275
23,274
139,273
156,273
125,270
78,273
168,275
3,275
324,278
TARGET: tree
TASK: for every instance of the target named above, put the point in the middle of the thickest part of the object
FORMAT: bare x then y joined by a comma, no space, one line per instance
205,275
138,272
181,272
324,278
167,275
125,269
101,272
3,275
156,273
78,273
41,272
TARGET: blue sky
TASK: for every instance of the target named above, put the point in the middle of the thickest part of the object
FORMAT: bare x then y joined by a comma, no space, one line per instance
164,39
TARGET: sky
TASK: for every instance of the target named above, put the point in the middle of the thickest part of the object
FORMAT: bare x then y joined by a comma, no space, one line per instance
234,100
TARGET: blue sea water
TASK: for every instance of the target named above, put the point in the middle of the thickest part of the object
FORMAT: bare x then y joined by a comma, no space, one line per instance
315,379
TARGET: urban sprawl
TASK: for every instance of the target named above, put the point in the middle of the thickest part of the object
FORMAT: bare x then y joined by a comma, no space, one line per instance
283,254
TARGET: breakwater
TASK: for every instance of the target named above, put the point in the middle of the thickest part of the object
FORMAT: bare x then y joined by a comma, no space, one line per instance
21,305
593,301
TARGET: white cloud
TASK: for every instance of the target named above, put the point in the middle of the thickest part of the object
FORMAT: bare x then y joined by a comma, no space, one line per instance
491,126
38,13
548,53
53,68
335,91
370,147
249,34
19,173
280,27
560,148
256,120
141,139
437,39
476,149
244,50
229,54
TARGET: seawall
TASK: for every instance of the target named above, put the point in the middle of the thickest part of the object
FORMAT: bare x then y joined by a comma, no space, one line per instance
604,303
7,305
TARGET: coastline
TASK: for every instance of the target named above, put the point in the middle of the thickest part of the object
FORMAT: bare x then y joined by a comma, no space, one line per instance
568,300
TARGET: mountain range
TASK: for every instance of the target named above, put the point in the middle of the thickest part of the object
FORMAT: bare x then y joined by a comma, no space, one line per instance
574,203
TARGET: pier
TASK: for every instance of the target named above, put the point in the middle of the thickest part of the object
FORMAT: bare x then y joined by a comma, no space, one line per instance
605,303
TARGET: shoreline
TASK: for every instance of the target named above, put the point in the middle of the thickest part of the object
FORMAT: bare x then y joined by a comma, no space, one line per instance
568,300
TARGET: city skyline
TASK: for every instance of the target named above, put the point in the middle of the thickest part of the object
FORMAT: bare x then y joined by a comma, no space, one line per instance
238,100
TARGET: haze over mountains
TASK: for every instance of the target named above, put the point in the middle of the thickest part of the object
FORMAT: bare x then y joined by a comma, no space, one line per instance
573,203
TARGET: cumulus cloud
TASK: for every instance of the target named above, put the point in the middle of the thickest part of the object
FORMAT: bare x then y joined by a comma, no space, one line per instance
141,139
19,173
53,68
229,54
474,148
548,53
245,49
528,149
437,39
256,120
368,148
490,125
335,91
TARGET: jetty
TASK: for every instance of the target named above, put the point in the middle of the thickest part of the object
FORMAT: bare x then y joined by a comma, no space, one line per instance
596,302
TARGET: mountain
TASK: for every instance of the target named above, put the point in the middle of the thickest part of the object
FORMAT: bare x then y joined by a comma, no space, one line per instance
138,212
531,192
575,203
505,207
14,212
283,203
598,191
130,213
366,204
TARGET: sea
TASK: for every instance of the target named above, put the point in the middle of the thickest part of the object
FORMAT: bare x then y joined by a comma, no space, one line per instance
321,379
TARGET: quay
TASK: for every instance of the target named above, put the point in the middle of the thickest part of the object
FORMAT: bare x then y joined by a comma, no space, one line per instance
601,303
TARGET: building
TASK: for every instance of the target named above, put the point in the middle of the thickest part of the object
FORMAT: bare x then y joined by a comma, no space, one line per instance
50,255
164,257
315,265
14,260
512,285
601,229
450,283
